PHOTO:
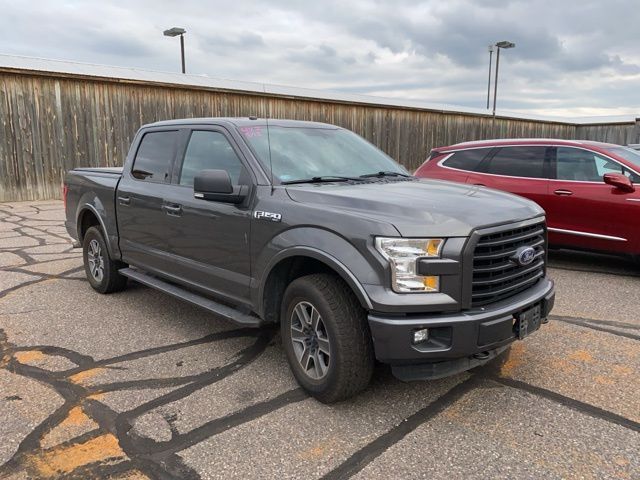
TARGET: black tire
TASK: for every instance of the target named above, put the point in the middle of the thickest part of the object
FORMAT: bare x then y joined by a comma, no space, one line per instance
342,322
95,247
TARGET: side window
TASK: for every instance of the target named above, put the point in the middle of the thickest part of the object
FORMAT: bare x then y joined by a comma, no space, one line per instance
209,150
518,162
154,156
467,159
604,165
635,178
583,166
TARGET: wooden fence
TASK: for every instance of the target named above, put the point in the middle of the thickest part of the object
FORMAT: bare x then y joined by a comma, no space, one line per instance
620,133
52,122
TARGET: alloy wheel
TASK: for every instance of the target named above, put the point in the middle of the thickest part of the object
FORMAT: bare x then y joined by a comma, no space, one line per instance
95,260
310,340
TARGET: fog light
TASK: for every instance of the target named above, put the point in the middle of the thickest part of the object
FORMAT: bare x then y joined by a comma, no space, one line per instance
421,335
431,283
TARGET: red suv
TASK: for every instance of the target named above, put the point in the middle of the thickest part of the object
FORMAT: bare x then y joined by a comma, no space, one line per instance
586,188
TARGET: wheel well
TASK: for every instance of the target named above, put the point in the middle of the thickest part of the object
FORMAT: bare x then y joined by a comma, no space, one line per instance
87,220
282,275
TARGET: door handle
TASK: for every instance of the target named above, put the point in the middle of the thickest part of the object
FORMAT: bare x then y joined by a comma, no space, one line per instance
564,193
175,210
124,200
479,184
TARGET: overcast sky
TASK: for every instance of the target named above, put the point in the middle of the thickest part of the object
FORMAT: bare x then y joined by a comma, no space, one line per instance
571,57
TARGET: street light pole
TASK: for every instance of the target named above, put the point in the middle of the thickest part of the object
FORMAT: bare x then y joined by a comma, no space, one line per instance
503,44
174,32
489,82
182,51
495,85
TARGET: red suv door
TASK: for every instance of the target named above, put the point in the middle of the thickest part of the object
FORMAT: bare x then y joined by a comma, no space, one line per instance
523,170
585,212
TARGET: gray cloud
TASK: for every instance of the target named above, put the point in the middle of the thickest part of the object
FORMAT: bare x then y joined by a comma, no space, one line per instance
322,57
570,58
231,43
103,43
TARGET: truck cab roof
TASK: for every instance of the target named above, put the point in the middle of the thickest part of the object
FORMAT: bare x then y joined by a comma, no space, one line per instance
242,122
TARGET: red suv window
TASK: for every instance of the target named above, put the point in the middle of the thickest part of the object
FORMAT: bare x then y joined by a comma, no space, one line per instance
467,159
518,162
577,164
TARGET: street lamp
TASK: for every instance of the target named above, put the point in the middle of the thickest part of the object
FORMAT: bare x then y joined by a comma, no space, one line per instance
174,32
500,45
489,82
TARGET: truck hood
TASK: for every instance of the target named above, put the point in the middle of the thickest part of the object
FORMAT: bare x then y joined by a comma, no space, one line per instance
421,207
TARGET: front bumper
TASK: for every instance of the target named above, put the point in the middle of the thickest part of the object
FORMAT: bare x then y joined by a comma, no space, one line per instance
457,341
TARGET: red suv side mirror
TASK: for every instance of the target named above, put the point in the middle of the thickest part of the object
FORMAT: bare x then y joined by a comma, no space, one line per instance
619,181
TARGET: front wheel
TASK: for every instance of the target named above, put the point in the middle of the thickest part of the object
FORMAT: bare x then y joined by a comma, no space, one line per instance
326,337
102,271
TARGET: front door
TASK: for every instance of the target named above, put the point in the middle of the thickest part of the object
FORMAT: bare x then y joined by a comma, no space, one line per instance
210,250
584,211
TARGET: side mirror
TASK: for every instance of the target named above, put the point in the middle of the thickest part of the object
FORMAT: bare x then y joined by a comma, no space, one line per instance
216,185
619,181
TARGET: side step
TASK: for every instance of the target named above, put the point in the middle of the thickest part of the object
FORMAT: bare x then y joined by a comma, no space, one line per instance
244,319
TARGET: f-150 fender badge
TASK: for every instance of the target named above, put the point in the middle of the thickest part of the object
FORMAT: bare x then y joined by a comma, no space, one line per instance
274,217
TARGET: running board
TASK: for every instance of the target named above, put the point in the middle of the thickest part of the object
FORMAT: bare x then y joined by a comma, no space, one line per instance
228,313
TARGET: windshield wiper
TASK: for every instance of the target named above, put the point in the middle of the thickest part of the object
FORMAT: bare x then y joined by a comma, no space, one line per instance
385,173
323,179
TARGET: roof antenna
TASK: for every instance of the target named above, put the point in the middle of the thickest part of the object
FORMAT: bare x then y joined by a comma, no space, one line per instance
269,144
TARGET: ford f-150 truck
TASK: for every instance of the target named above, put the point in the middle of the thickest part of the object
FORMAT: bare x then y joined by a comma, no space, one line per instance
308,226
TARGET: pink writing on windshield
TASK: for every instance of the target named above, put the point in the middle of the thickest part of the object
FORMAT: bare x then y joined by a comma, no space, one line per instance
251,131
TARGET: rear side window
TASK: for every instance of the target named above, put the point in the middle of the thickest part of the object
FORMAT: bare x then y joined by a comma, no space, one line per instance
467,159
518,162
153,160
209,150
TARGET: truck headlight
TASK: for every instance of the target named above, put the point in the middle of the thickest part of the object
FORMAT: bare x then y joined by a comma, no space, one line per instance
403,255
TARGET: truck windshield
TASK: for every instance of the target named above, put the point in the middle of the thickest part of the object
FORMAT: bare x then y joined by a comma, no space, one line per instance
299,153
628,154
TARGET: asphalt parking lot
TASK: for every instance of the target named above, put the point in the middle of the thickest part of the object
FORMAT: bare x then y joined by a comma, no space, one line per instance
140,385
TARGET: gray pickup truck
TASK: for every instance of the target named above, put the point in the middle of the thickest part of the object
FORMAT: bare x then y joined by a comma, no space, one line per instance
308,226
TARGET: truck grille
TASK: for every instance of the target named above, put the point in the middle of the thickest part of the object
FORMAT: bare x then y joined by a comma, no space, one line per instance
496,275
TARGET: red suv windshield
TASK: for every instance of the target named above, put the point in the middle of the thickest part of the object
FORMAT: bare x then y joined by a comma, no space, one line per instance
628,154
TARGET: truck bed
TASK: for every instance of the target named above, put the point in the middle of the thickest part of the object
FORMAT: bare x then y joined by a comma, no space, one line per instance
93,188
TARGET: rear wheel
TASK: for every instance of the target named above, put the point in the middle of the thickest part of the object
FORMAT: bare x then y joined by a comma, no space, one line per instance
326,337
101,270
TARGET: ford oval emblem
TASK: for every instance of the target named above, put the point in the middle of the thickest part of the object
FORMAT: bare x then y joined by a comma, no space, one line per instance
524,255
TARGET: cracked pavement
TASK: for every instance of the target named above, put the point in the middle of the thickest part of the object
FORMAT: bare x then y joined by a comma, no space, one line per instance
140,385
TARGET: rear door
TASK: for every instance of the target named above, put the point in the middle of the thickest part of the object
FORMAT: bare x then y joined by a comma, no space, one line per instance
210,248
523,170
583,210
139,199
